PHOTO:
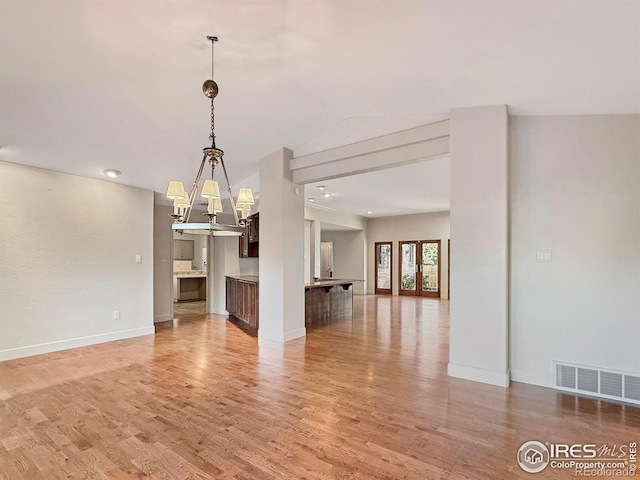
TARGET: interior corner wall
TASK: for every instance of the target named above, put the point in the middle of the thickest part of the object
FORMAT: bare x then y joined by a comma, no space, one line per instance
162,267
421,226
223,260
68,251
348,255
574,191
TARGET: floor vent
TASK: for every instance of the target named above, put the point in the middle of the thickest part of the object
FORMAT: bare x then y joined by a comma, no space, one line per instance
615,385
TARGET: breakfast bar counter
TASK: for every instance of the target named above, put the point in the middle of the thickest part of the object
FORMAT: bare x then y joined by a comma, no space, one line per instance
328,300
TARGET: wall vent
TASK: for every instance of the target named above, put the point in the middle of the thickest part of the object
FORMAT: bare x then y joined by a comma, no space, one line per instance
599,382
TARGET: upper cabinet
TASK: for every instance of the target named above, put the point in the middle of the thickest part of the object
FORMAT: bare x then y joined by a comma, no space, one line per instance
183,249
254,226
248,243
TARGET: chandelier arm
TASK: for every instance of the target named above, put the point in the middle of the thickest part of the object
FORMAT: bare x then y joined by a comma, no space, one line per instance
233,202
194,189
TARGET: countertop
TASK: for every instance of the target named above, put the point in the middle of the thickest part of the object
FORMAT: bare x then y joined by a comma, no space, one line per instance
317,284
188,274
245,278
330,282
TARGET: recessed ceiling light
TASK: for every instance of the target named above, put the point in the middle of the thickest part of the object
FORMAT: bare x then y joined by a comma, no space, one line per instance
321,187
311,200
369,212
326,195
112,172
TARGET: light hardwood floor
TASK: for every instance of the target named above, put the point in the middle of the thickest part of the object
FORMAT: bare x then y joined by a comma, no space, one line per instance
188,309
366,398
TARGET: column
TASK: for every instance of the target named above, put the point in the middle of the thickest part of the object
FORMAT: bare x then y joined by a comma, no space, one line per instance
281,251
479,240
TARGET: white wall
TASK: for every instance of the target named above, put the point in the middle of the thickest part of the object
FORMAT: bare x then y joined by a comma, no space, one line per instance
67,261
478,340
423,226
162,267
317,221
281,290
575,190
333,217
349,249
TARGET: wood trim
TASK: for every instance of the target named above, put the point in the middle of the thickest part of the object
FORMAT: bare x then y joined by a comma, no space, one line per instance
382,291
419,279
411,293
418,291
449,269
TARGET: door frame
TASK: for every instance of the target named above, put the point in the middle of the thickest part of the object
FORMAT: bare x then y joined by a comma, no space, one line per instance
412,293
418,292
376,290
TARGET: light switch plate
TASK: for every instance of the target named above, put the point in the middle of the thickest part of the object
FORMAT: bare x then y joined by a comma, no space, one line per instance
138,258
543,256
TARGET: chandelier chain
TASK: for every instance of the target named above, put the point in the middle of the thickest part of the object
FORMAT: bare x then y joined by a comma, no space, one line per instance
212,136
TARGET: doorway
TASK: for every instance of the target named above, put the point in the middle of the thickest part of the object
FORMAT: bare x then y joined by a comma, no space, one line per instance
326,259
383,263
419,272
189,275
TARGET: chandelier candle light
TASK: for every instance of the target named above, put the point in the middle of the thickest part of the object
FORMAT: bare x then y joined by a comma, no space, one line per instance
183,201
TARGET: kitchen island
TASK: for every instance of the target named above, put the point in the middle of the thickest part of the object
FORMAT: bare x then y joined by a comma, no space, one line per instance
325,301
328,300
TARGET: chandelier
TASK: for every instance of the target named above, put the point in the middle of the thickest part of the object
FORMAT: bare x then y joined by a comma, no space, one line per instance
183,202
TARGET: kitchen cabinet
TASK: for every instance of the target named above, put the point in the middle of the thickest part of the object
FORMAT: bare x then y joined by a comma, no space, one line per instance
248,243
254,228
242,300
183,249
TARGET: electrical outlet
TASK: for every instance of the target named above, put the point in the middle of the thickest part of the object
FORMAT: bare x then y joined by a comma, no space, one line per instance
543,256
116,314
138,258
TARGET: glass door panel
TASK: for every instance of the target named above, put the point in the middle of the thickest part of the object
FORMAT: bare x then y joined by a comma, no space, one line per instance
430,268
408,268
383,267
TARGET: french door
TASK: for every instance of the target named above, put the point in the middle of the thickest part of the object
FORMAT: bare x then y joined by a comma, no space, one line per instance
384,260
420,268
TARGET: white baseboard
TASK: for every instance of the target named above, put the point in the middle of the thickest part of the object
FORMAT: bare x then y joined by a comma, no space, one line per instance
162,318
220,311
58,345
500,379
532,378
293,334
278,338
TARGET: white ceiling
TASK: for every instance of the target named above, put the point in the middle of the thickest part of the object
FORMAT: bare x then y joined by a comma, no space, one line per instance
89,85
415,188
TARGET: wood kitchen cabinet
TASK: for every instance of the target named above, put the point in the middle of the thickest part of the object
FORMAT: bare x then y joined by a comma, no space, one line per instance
254,228
242,300
248,243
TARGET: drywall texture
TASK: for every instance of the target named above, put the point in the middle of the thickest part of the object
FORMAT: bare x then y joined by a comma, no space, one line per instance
575,191
423,226
68,251
349,253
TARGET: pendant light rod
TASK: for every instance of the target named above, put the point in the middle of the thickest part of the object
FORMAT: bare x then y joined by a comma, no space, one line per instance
233,203
194,189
